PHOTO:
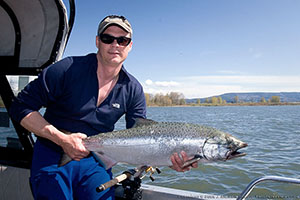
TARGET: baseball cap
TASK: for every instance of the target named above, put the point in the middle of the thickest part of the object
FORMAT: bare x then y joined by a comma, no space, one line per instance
114,20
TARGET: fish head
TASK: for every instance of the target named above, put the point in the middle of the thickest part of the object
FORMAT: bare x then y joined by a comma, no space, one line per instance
223,147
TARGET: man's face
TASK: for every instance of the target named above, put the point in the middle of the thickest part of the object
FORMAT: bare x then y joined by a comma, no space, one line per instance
113,54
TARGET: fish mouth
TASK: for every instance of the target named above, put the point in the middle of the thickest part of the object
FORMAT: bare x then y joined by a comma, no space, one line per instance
235,153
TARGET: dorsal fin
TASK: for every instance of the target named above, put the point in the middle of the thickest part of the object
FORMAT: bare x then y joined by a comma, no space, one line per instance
143,122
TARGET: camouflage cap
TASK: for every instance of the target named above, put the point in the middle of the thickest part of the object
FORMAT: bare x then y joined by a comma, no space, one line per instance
114,20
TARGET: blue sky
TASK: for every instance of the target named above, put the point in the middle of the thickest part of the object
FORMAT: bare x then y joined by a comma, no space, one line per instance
202,48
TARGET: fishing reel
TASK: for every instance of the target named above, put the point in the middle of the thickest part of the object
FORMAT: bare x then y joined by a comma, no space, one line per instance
127,185
149,170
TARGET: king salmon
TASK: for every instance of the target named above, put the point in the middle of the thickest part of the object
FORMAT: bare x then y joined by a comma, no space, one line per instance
153,143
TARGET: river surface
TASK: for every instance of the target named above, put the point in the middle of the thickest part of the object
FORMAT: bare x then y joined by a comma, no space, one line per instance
273,136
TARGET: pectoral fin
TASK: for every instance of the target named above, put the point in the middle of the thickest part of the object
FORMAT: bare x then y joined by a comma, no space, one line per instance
104,160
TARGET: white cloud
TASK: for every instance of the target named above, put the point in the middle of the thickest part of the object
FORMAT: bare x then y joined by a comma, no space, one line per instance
161,83
154,87
205,86
148,82
166,83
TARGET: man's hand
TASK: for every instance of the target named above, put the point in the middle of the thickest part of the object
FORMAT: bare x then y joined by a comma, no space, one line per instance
178,162
73,146
70,142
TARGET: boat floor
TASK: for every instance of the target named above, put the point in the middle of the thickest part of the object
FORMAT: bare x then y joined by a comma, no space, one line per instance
14,184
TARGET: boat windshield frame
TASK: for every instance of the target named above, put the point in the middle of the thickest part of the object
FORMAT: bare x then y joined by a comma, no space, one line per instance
11,64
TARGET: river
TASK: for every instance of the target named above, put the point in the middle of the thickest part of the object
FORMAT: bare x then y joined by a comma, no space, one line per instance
273,136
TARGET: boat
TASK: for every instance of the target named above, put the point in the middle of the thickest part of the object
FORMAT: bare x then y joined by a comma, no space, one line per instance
34,34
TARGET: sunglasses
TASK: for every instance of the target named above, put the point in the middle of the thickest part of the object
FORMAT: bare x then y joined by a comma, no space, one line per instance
108,39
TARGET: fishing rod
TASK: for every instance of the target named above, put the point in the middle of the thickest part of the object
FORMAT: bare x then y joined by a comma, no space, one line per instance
139,173
133,175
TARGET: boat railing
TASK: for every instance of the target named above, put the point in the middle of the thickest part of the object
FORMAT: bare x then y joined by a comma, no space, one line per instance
251,185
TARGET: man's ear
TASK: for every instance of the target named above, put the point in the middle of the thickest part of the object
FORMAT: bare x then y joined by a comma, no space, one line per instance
130,46
97,41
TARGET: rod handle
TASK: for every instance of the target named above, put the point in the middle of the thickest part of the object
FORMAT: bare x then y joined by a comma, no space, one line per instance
112,182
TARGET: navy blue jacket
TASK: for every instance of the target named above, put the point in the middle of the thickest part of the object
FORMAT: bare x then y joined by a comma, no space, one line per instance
69,91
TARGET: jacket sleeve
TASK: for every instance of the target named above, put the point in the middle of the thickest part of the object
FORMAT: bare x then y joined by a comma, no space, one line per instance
39,92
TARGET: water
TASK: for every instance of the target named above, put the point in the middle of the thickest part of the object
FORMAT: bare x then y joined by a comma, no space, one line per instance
273,136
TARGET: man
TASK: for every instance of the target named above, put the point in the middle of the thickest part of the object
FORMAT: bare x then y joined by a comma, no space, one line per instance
83,95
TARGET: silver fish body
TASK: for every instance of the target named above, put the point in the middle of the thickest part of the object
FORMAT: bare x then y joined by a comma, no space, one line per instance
153,143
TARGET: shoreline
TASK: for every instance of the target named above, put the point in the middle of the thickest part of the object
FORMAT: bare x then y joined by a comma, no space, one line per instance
225,104
231,104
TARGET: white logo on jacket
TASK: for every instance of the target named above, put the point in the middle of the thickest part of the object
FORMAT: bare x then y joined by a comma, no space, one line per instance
116,105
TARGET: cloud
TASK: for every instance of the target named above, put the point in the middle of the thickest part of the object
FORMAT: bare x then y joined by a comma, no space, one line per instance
161,83
206,86
148,82
166,83
164,87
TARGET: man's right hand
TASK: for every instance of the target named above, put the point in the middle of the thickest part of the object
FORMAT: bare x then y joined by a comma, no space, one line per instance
72,145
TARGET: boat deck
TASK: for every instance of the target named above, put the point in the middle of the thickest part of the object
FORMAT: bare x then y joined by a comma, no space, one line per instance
14,184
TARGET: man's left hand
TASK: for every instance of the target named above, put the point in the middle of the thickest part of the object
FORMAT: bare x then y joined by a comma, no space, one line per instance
178,162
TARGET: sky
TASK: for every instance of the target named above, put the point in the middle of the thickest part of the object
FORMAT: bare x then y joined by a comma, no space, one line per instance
202,48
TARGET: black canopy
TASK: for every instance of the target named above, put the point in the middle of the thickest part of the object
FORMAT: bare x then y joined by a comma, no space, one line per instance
33,35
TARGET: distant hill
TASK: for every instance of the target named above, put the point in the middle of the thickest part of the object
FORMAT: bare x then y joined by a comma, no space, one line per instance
254,97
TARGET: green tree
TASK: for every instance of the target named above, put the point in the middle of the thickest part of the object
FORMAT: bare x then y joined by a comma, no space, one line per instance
176,98
207,100
214,100
275,99
220,100
147,98
162,100
182,102
236,99
263,100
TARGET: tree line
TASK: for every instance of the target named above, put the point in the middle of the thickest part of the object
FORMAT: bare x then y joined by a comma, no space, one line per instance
176,98
219,100
170,99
